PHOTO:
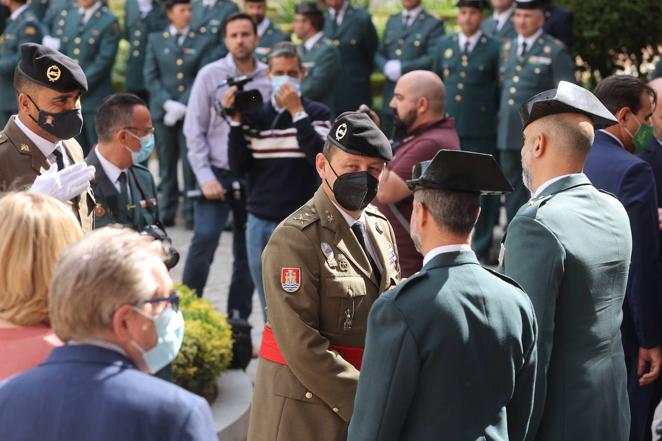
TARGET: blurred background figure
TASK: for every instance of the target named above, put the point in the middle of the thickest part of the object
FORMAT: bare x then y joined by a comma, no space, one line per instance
500,25
351,30
418,108
559,23
269,34
209,16
35,231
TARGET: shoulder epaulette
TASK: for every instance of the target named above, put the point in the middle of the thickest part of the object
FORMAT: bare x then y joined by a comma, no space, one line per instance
504,278
303,217
599,189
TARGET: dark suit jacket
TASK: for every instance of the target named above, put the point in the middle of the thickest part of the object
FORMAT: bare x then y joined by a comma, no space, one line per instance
558,24
611,168
653,155
450,355
21,162
87,392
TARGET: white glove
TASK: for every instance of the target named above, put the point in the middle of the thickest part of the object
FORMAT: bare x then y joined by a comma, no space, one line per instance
170,119
392,70
51,42
145,6
175,108
65,184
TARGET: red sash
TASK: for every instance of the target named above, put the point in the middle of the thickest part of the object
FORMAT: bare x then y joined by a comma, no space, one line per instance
269,350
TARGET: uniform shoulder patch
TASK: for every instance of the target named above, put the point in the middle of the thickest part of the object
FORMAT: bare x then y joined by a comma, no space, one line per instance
503,277
30,30
303,217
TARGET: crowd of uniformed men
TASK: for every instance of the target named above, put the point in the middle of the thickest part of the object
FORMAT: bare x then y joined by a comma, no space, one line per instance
319,267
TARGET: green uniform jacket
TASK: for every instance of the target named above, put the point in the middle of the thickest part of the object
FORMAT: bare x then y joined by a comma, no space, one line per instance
25,29
136,31
357,40
657,73
450,354
312,398
507,31
211,21
143,210
413,46
39,8
271,37
93,46
170,68
472,85
323,68
569,249
54,16
541,68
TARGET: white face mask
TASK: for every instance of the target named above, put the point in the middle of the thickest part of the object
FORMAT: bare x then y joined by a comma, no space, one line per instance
170,334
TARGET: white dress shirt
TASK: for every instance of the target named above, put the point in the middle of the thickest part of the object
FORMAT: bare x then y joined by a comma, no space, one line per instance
18,12
371,248
502,17
473,41
112,171
412,14
434,252
262,27
182,33
312,41
340,15
613,136
530,41
87,13
44,145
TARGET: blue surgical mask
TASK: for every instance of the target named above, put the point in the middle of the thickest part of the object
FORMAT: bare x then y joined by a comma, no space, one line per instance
170,333
279,80
146,148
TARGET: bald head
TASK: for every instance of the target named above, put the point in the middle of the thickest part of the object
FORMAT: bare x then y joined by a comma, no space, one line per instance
425,84
656,85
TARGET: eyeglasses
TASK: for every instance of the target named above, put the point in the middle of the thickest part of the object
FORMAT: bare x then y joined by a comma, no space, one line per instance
173,299
148,130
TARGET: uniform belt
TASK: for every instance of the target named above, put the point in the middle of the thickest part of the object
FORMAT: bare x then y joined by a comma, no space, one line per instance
269,350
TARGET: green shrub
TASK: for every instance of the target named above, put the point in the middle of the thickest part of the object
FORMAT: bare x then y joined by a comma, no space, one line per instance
207,347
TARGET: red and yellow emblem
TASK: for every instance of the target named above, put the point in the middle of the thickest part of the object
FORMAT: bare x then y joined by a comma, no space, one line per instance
290,279
99,211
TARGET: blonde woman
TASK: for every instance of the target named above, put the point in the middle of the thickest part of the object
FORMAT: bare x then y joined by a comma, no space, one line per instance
34,230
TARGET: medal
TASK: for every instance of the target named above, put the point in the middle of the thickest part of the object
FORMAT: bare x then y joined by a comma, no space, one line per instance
328,252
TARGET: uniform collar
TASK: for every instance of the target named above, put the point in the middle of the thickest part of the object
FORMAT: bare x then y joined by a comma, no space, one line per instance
348,218
112,171
565,183
529,40
309,43
412,13
503,17
550,182
473,40
434,252
262,27
340,15
14,15
87,13
182,34
44,145
100,344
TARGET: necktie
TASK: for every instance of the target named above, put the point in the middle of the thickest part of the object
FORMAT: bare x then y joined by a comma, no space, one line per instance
59,159
466,48
124,190
178,38
334,22
521,54
405,20
496,24
359,231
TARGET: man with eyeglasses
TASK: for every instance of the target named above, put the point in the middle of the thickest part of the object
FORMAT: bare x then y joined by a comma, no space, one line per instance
125,190
111,302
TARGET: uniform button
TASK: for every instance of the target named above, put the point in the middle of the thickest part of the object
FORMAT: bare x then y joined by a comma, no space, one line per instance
76,61
518,68
463,74
180,62
336,42
136,53
77,40
536,71
181,88
336,410
352,41
513,90
511,102
515,79
180,75
136,43
460,86
137,33
458,98
91,41
309,395
76,51
60,23
398,52
64,13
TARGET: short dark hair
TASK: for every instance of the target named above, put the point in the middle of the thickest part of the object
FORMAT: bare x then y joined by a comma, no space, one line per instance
455,211
114,112
284,49
169,4
23,84
618,91
239,16
316,19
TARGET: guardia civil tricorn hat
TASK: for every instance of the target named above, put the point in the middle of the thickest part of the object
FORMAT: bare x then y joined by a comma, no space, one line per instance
456,170
567,98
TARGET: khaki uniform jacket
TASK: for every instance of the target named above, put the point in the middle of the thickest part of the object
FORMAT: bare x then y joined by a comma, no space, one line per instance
312,398
21,162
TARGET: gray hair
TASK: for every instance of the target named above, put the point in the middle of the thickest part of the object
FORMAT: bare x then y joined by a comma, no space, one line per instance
284,49
108,268
455,211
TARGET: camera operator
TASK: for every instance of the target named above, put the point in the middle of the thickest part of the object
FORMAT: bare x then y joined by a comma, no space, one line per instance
206,134
276,149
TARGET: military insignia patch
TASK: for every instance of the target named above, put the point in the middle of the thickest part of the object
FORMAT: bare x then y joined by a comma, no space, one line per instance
328,253
341,131
378,228
290,279
448,53
30,30
53,73
392,257
547,50
24,148
99,211
342,262
502,255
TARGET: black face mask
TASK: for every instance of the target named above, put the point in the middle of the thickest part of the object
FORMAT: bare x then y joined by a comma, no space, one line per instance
62,125
354,191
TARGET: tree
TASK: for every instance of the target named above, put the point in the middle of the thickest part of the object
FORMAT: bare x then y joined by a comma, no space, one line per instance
615,34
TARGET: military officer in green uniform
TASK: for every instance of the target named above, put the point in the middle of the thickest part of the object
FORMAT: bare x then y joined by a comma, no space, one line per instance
408,44
468,63
141,18
323,268
269,34
38,8
500,24
321,57
173,59
451,352
90,35
22,27
352,31
530,63
124,190
569,248
57,10
209,18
